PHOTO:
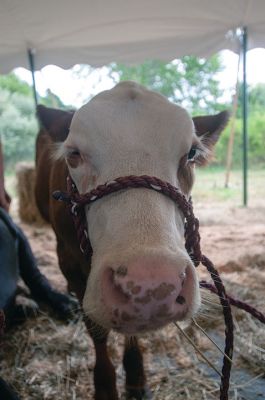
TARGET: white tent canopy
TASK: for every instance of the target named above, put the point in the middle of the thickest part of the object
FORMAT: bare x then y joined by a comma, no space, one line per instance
96,32
34,33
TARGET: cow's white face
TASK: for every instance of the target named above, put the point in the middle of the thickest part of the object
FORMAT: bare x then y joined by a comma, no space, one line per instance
141,275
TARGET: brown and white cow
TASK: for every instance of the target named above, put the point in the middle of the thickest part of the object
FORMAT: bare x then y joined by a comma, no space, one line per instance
140,276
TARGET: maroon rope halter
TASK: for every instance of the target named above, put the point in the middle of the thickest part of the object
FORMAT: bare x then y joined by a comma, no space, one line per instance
77,203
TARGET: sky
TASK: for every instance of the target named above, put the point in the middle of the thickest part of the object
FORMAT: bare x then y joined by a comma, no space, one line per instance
75,91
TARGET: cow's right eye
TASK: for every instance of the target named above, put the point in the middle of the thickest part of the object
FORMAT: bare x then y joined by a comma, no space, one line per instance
73,157
74,153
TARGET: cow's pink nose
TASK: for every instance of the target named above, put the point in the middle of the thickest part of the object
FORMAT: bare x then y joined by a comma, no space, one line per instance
146,294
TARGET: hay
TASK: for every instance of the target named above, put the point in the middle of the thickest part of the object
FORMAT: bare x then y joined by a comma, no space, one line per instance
47,359
27,208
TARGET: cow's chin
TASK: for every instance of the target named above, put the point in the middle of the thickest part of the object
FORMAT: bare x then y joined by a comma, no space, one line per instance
138,327
123,324
144,326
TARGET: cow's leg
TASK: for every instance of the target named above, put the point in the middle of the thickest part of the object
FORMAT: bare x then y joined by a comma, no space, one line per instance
104,371
134,368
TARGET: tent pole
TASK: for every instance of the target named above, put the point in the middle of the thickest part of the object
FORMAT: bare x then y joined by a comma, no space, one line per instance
32,68
229,153
245,116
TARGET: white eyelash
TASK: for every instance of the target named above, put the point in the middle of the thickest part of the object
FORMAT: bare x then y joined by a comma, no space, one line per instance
202,152
58,152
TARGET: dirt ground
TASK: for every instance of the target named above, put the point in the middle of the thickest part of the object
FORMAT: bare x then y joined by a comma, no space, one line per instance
48,359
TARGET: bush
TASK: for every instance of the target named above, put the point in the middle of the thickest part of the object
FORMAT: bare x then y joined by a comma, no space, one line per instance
18,124
18,127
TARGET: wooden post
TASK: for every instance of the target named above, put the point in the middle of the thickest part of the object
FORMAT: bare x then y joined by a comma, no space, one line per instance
245,119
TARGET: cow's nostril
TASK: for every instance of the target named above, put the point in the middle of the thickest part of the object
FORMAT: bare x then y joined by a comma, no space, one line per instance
121,271
180,300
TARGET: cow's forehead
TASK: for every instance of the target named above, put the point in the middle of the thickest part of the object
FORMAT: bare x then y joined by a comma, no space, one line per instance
131,114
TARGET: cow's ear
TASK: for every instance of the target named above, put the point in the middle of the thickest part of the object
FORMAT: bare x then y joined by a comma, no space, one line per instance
55,122
208,128
47,116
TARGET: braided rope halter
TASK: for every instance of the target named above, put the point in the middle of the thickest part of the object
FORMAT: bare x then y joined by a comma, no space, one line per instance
76,203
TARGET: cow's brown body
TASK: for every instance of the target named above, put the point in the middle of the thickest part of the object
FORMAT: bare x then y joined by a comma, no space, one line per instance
51,176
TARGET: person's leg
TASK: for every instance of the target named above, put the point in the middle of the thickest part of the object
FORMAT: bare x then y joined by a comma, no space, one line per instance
6,392
9,270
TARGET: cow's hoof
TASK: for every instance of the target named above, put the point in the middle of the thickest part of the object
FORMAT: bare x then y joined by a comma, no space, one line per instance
106,395
138,393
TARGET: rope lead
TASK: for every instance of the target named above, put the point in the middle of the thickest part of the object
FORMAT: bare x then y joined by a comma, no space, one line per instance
76,204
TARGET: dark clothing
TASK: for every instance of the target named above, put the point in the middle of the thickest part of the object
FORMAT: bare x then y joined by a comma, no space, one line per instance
17,259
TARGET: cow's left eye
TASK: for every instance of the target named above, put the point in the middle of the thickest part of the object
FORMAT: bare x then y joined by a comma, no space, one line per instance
192,154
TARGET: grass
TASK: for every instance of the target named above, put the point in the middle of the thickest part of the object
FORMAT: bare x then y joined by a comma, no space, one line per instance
209,186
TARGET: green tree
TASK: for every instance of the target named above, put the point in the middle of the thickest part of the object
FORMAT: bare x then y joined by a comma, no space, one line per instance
189,81
18,123
256,97
13,84
256,140
52,100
